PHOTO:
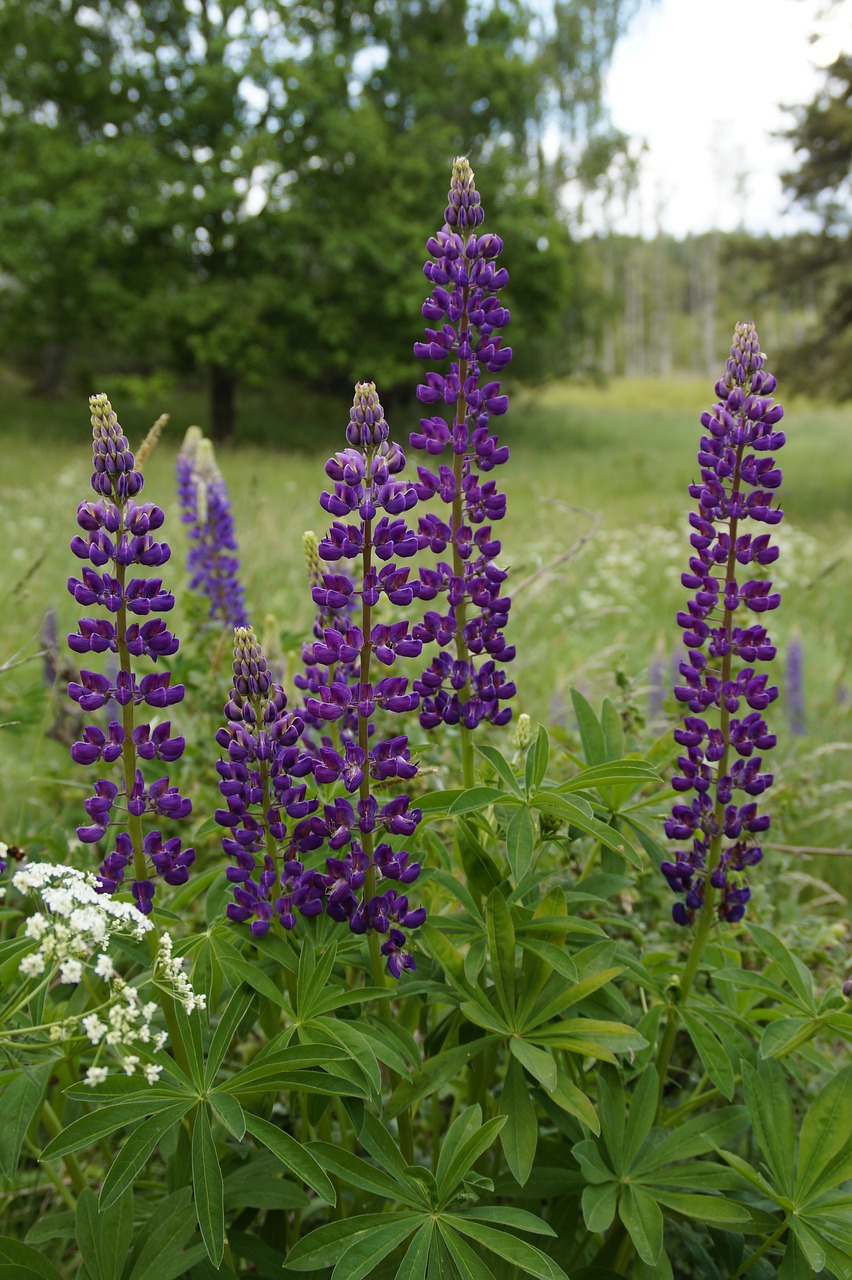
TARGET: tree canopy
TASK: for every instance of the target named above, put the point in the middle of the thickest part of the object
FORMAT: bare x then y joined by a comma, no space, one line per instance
238,189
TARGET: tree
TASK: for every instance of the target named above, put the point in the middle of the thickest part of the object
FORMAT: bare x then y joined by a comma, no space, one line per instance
244,188
823,184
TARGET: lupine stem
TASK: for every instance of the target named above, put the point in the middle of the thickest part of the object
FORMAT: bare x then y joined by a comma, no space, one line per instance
759,1252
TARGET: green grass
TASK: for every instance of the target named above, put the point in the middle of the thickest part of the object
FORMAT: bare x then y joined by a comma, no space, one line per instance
622,455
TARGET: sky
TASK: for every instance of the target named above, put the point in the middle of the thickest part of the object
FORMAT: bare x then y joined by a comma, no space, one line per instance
702,83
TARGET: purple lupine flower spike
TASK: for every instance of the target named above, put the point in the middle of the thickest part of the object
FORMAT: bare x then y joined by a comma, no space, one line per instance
794,689
206,511
466,684
260,783
738,484
335,611
352,889
118,533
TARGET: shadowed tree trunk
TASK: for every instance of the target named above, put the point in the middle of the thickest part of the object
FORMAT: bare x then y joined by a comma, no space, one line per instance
223,405
51,369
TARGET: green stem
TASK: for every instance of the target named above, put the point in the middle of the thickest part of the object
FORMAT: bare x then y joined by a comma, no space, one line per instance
708,907
54,1177
54,1127
758,1253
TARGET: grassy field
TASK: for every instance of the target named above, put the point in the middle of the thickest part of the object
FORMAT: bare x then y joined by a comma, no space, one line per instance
614,463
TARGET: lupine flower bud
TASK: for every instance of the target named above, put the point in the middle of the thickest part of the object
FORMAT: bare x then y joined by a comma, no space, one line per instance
119,533
206,511
736,485
467,686
151,441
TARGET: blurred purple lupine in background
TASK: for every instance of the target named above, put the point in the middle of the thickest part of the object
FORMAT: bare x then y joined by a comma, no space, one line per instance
466,684
206,511
658,671
794,685
736,485
118,532
316,675
260,779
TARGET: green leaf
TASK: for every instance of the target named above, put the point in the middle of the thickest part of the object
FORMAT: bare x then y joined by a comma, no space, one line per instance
228,1112
519,1136
207,1187
476,798
323,1247
562,999
710,1209
538,1062
556,959
467,1154
465,1123
770,1109
694,1138
520,842
501,945
18,1105
538,758
313,975
612,1108
188,1027
643,1108
613,731
643,1219
467,1264
367,1177
165,1235
20,1260
482,872
365,1253
104,1238
481,1014
796,973
778,1037
591,734
712,1053
599,1202
235,1011
238,970
136,1151
572,1099
436,1072
293,1155
571,812
86,1130
416,1260
518,1219
794,1265
609,774
517,1252
826,1133
502,767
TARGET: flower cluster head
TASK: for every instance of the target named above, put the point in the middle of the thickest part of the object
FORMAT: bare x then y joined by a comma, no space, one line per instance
206,511
722,765
118,533
464,684
72,937
334,614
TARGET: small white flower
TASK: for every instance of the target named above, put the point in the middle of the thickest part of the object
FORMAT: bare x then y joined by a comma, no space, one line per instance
70,971
96,1075
32,965
103,967
94,1028
130,1064
152,1072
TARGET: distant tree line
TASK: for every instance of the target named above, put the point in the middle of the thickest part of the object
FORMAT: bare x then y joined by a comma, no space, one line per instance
235,190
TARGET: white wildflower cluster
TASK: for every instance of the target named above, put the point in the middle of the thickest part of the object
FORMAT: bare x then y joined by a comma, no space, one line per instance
73,937
170,967
80,922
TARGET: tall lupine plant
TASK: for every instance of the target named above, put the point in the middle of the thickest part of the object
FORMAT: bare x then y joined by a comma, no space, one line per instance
352,887
206,511
464,685
737,485
315,675
118,534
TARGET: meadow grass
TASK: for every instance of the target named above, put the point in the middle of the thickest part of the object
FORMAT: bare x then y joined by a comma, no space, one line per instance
616,460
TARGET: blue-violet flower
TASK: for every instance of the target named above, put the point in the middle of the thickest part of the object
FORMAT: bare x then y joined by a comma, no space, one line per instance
206,511
737,484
